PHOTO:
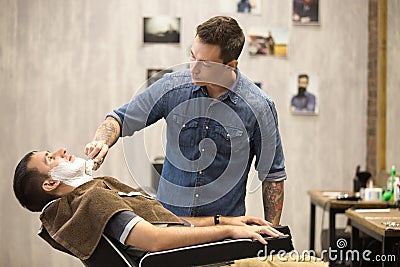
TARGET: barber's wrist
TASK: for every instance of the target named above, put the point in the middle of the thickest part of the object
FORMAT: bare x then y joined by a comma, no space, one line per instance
217,219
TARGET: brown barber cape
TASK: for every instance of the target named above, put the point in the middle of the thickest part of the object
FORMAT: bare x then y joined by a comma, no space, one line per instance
77,220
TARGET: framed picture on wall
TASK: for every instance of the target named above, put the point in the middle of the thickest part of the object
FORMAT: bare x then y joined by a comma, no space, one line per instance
161,29
305,12
155,74
304,94
250,7
268,41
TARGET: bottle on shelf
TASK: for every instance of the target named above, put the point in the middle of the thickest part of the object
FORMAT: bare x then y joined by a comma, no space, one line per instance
390,185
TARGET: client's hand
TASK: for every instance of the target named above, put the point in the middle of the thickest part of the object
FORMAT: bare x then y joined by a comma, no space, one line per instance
244,220
254,232
96,150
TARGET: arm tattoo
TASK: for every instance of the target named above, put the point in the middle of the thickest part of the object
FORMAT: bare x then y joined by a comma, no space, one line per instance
108,132
273,194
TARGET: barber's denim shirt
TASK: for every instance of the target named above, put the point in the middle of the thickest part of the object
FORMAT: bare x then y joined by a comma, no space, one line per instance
211,143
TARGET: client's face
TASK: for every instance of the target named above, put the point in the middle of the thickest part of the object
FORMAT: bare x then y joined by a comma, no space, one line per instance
44,161
60,166
72,173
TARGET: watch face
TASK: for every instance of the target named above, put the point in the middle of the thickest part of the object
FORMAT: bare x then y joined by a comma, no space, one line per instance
216,219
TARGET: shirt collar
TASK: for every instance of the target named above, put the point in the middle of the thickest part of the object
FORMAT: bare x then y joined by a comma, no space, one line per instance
232,93
197,88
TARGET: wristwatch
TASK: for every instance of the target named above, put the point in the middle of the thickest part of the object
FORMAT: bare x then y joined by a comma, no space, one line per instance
216,219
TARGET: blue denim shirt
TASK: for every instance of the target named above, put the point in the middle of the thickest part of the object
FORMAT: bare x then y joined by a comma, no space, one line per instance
211,143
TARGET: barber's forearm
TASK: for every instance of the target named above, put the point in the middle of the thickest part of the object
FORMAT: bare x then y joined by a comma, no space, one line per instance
108,131
106,135
273,196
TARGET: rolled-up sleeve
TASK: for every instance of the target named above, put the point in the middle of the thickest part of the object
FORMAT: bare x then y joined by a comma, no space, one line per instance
144,109
270,160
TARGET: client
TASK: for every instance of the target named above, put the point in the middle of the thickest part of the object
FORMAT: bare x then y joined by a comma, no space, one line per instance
77,210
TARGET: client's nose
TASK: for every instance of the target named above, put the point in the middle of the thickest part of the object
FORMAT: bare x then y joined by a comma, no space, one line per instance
60,152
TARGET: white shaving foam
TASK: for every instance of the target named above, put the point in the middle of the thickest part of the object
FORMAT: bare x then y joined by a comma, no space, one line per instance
72,173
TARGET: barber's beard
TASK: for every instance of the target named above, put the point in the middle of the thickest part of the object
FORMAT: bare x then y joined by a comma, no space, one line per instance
72,173
302,91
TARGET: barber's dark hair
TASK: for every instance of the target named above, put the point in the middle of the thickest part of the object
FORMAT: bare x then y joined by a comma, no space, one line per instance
303,76
27,185
226,33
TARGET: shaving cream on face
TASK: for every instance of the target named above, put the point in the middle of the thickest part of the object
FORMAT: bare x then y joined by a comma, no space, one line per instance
72,173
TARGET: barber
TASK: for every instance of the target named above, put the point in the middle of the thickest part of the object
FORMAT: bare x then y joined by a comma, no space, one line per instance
217,121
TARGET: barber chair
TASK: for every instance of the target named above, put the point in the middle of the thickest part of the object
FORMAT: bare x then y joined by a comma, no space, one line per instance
110,252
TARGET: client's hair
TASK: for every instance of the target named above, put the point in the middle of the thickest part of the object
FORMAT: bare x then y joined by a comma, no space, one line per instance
226,33
28,185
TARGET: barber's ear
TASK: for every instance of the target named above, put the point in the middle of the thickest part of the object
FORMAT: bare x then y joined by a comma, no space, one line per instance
50,185
233,64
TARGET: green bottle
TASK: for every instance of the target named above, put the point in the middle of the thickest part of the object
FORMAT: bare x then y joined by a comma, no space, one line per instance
389,193
392,175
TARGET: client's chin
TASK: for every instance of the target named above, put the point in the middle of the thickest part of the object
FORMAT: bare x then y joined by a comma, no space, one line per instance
71,173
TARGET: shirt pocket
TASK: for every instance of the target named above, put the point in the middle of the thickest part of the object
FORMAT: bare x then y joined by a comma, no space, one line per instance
229,139
186,129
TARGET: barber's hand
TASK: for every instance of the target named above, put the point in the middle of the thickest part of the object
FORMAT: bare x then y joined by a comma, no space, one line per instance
244,220
254,232
96,150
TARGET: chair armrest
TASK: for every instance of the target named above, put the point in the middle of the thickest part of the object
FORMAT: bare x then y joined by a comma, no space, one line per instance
216,252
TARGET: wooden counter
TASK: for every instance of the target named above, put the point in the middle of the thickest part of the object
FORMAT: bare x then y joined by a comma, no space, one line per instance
326,199
372,223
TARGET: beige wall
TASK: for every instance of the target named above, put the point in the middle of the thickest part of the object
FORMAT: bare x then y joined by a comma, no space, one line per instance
64,64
